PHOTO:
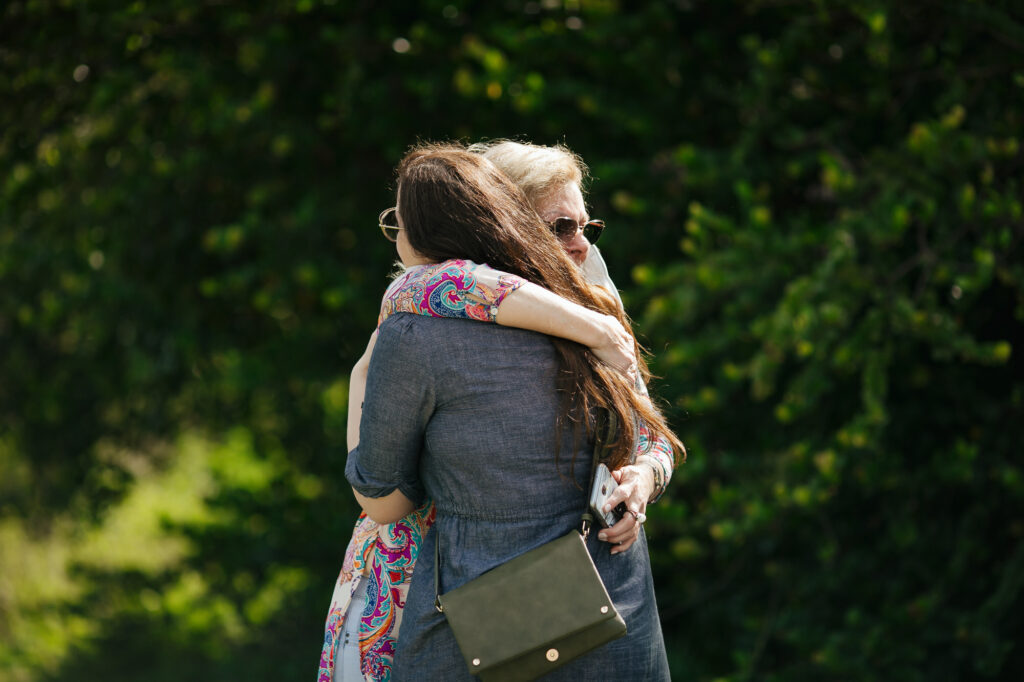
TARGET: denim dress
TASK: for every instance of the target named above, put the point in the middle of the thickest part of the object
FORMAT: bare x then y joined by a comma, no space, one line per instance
465,413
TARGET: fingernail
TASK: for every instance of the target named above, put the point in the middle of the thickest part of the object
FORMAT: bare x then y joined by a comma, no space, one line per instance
615,551
602,536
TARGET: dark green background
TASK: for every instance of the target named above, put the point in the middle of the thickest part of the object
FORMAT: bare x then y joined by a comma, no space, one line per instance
815,216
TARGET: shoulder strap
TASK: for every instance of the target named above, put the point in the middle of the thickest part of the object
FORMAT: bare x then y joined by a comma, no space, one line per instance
437,570
605,434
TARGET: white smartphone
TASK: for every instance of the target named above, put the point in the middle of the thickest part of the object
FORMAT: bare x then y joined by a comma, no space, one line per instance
604,484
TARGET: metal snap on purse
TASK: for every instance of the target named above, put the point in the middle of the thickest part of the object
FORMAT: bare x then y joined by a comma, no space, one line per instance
538,611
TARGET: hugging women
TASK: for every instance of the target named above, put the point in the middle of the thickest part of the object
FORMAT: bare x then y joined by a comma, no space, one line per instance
467,423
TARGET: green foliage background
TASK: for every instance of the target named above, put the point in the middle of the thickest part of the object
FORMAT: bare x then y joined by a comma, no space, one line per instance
815,215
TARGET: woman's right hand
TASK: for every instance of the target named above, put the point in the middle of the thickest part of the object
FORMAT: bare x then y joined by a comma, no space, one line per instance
636,485
617,350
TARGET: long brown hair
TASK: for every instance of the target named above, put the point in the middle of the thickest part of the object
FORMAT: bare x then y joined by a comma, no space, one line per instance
456,204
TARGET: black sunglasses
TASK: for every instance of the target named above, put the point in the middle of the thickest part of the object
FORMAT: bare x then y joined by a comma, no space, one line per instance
566,228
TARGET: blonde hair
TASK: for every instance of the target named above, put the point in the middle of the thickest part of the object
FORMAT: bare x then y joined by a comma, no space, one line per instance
539,171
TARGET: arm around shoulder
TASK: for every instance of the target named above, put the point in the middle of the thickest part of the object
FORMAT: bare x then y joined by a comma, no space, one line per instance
535,308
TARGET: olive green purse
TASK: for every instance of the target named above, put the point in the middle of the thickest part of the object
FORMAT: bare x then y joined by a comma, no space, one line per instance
536,612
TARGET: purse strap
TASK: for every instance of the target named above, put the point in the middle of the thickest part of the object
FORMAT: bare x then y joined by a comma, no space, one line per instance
605,434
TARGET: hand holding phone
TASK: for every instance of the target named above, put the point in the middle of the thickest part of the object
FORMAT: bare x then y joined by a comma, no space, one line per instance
604,485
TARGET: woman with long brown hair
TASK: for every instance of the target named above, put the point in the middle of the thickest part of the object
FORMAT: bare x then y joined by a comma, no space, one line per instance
493,423
365,614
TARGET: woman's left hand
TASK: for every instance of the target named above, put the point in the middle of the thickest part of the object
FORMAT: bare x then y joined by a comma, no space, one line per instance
617,349
636,484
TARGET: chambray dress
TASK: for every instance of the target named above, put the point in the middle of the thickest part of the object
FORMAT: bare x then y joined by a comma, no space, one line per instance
465,413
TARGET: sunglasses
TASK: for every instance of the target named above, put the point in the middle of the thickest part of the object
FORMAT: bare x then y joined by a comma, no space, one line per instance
566,228
388,221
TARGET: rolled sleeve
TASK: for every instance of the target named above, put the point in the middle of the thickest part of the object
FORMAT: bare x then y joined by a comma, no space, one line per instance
399,402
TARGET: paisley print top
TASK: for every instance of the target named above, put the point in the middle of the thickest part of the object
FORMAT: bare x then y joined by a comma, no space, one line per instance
385,555
454,288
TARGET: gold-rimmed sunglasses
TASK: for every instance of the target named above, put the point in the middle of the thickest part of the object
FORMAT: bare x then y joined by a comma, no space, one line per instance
566,228
388,221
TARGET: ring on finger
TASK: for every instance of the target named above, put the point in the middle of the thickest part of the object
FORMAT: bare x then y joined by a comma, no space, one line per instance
636,516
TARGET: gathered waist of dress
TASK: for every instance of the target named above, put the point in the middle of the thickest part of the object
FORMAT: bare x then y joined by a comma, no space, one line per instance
567,508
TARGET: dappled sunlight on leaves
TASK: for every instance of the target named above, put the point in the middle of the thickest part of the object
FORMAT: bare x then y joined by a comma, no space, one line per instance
52,576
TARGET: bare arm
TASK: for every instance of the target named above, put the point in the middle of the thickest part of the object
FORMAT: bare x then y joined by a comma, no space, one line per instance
357,392
387,509
537,309
478,292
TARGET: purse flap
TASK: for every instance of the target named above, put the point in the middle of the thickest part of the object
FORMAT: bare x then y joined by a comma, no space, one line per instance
538,597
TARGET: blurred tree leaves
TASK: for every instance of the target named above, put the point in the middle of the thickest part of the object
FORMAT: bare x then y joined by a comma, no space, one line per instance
815,215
